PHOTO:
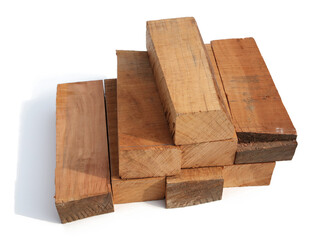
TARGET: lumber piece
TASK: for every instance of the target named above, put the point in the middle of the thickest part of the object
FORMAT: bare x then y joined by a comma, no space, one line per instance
82,177
194,186
240,175
265,151
126,190
258,113
146,148
189,95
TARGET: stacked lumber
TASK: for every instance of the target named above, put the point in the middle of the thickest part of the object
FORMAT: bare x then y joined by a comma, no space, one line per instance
184,120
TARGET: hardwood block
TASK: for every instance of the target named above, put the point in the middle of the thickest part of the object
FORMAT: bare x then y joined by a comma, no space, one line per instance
258,113
82,177
127,190
184,78
240,175
265,151
194,186
146,148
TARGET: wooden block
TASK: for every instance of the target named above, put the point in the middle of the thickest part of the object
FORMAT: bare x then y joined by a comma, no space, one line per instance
257,111
146,148
194,186
265,151
187,90
218,153
127,190
82,178
241,175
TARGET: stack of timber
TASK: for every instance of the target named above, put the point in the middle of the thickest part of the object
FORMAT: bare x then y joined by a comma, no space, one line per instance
183,120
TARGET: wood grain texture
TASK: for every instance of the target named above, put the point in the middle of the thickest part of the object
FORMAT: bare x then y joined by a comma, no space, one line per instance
194,186
265,151
257,111
218,153
187,90
240,175
127,190
82,178
146,148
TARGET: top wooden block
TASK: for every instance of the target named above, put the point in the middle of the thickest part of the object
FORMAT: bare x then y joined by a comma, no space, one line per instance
185,83
82,175
257,111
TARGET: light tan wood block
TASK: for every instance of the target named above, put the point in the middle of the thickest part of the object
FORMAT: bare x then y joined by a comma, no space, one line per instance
127,190
146,148
185,82
194,186
240,175
82,175
258,113
218,153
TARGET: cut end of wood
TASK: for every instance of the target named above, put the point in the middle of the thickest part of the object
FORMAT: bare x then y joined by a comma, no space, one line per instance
194,186
86,207
150,162
203,127
265,151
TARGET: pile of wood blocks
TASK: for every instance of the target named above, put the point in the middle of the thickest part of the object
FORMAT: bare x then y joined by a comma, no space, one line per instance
182,121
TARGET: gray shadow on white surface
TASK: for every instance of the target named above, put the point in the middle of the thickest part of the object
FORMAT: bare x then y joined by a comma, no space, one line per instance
34,187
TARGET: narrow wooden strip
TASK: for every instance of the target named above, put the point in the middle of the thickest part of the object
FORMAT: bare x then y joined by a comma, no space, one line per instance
257,111
192,105
146,148
127,190
82,178
194,186
241,175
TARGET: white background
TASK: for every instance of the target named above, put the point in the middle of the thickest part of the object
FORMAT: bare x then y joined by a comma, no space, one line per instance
43,43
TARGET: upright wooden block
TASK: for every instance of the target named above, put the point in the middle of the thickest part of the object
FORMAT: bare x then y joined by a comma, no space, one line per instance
257,111
82,178
189,95
146,148
127,190
194,186
241,175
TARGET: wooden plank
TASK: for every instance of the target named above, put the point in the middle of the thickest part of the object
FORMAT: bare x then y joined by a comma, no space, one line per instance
82,178
146,148
241,175
127,190
189,95
194,186
265,151
257,111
